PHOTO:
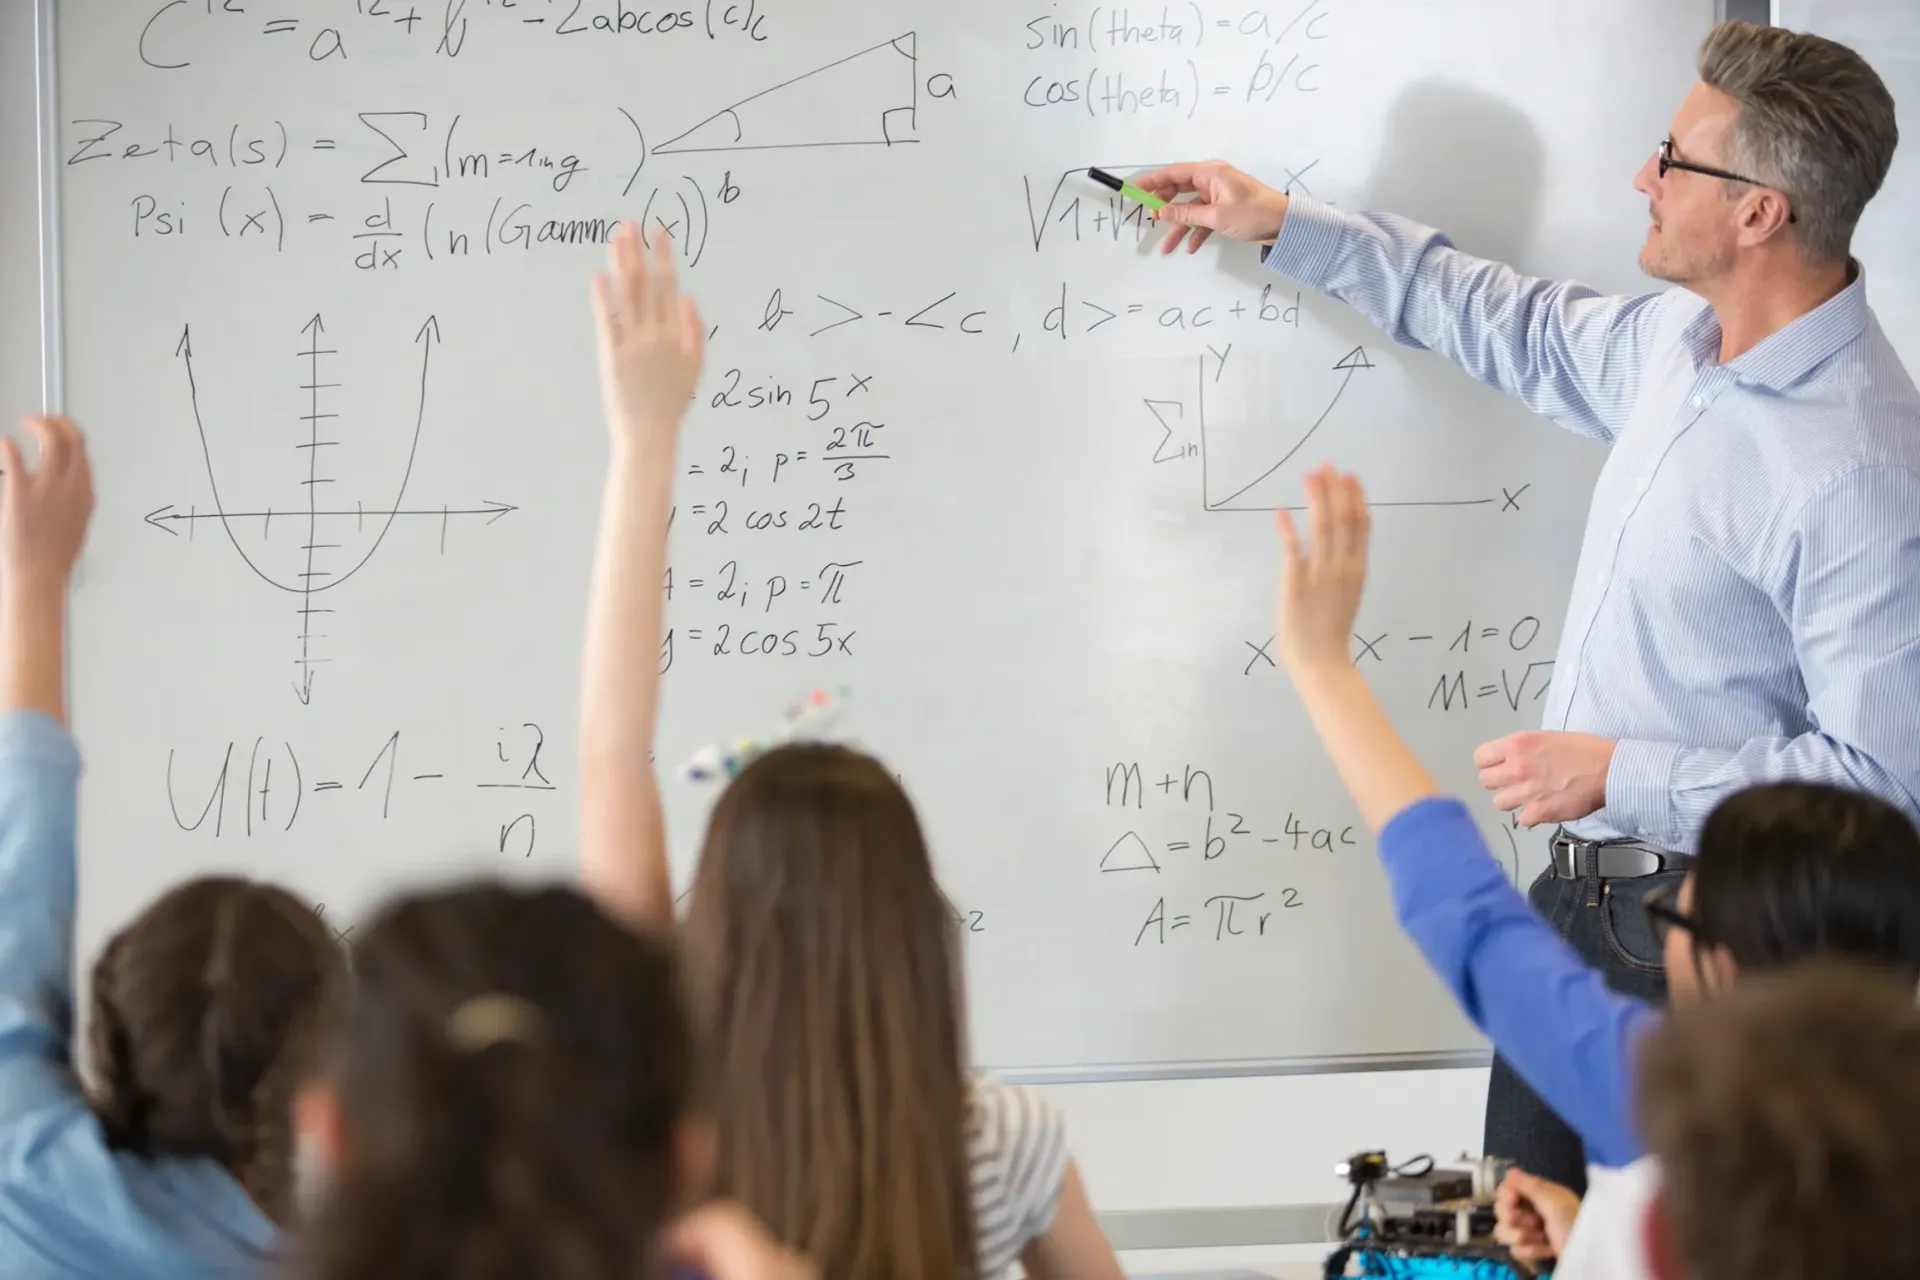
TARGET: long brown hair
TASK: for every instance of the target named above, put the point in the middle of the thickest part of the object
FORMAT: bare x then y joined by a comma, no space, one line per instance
511,1081
208,1013
824,966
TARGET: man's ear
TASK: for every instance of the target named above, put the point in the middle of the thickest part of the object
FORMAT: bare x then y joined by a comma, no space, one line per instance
1663,1263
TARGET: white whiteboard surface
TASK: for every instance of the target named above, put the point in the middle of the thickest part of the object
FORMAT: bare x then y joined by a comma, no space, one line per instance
355,269
1888,36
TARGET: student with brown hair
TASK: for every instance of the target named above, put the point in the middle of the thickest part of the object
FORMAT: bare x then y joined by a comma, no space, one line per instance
1785,1116
207,1010
823,961
511,1098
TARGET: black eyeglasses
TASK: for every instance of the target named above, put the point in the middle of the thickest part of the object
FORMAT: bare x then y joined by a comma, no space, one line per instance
1668,162
1665,916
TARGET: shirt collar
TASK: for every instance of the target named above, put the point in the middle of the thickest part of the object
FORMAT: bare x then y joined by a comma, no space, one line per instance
1794,350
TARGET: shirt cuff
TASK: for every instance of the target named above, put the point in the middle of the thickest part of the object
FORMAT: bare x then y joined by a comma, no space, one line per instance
1310,241
34,733
1640,790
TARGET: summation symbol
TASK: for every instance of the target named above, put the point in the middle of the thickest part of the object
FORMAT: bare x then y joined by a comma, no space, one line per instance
337,538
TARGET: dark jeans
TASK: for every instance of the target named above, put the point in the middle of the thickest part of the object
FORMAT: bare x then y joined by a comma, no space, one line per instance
1605,922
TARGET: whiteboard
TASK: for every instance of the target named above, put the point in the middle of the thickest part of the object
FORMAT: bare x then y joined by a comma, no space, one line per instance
965,446
1888,36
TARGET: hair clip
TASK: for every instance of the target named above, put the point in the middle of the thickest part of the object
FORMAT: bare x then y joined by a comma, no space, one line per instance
495,1018
804,718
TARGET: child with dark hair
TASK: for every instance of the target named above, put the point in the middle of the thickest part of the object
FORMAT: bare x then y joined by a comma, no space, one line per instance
208,1010
510,1098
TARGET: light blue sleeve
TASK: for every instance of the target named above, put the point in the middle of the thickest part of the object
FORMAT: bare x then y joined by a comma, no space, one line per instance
39,783
1566,1033
1851,586
1569,353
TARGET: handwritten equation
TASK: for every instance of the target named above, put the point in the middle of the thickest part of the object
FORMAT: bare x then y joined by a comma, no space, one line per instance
754,480
1518,683
1222,917
398,186
180,33
1177,831
274,785
386,190
1252,57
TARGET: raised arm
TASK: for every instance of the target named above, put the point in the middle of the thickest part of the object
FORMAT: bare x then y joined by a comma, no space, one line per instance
650,344
43,521
1847,582
1569,353
1547,1013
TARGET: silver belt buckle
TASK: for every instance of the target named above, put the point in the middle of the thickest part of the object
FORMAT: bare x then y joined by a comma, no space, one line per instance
1611,861
1628,862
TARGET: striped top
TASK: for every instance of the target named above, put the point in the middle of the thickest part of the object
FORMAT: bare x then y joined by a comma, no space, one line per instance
1746,607
1017,1147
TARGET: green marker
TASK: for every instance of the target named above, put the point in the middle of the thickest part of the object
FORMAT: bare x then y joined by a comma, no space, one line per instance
1126,189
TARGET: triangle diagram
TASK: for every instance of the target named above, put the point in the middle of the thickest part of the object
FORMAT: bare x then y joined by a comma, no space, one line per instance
866,99
1129,853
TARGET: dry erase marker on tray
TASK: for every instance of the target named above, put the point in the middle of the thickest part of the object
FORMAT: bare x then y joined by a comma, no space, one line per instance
1126,189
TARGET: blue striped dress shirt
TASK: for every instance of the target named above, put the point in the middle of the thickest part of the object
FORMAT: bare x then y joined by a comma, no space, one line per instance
1746,606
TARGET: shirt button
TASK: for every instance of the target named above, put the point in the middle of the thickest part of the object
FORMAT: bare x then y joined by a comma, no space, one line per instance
1697,402
1643,483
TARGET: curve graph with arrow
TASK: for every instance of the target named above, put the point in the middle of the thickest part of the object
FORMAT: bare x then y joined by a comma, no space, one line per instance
325,526
1258,474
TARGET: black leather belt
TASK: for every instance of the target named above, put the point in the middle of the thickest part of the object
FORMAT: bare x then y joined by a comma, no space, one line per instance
1575,859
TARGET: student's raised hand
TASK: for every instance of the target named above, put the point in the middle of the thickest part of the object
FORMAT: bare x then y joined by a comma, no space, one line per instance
1226,200
44,510
1320,583
726,1242
1533,1217
650,342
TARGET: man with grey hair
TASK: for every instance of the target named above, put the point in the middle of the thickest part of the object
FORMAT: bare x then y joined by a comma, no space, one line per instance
1746,606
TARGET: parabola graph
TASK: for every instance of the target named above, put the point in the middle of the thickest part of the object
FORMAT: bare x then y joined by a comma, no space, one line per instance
334,539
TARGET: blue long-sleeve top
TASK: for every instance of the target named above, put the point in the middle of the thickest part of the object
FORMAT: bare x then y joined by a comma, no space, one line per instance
1548,1013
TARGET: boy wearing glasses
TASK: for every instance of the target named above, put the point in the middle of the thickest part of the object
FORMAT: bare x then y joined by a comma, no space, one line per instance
1742,611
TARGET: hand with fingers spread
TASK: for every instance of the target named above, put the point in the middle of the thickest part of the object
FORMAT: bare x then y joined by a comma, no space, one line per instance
1545,774
1320,585
1533,1217
44,511
650,341
1226,200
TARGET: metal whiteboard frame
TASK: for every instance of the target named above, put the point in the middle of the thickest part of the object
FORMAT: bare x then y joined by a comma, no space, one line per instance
46,77
1239,1068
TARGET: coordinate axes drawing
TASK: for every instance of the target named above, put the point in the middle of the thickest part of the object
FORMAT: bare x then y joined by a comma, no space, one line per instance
1262,468
336,539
